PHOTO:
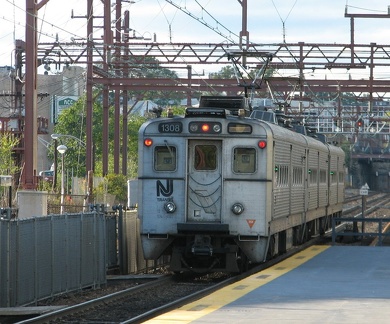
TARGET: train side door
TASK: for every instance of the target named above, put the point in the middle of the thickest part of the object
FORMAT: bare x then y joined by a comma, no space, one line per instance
204,183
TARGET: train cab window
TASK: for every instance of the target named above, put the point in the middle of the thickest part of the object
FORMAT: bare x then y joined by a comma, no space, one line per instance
244,160
205,157
165,158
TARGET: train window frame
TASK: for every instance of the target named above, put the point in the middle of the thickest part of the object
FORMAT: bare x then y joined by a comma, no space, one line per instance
161,152
236,156
210,164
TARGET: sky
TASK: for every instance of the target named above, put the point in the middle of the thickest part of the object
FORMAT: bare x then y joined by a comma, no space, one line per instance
308,21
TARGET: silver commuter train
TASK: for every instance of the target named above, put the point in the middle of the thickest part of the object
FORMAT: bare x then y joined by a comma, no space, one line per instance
218,190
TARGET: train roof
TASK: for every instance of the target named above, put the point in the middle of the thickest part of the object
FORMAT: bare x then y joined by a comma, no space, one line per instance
230,103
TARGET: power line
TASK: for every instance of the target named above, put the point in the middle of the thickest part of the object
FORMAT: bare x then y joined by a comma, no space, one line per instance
201,20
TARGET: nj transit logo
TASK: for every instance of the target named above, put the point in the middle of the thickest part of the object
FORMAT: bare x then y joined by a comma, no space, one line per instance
164,190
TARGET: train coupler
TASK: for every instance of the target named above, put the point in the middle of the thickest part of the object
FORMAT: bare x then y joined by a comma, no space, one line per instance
202,245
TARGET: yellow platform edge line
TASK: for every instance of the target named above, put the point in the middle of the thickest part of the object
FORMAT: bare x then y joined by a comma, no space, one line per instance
226,295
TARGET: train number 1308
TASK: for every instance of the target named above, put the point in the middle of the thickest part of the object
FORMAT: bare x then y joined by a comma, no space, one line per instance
170,127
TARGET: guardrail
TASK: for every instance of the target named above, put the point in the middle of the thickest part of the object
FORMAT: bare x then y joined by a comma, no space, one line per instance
355,220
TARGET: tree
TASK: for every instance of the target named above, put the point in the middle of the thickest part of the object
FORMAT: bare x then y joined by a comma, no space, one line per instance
7,162
72,122
114,184
227,72
149,67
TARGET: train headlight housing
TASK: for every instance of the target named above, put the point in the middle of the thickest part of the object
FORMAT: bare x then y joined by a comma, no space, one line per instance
217,128
205,127
194,128
170,207
237,208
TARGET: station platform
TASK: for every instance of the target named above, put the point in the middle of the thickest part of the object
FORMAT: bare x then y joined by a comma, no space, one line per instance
322,284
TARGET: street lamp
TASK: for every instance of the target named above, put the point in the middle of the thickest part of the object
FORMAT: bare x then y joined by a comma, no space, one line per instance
79,142
57,136
62,149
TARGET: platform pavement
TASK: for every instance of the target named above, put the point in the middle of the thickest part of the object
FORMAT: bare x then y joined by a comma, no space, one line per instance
322,284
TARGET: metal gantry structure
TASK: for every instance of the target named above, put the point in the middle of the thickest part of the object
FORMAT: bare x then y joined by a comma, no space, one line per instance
113,61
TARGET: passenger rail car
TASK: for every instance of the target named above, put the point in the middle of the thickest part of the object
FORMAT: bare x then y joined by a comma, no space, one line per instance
217,190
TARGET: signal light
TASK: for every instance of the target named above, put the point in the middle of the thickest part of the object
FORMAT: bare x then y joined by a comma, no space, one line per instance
205,128
359,122
148,142
262,144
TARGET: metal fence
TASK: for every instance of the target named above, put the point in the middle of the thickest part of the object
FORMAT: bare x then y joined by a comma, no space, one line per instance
380,235
45,256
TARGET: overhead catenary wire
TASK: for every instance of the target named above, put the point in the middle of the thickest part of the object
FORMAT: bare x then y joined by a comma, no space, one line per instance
285,19
203,22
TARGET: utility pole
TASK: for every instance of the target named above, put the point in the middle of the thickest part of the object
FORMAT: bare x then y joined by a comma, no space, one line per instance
118,54
89,138
107,36
125,93
31,127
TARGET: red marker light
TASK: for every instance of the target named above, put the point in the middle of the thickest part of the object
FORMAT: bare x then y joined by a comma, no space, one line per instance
262,144
148,142
205,127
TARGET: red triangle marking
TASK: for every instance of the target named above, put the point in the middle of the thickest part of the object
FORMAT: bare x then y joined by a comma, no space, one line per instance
251,222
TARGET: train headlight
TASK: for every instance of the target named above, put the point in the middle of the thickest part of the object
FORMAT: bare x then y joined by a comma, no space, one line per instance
217,128
205,128
237,208
194,128
170,207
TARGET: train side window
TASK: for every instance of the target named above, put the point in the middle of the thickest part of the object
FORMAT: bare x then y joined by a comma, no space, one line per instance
341,177
244,160
297,176
165,158
281,175
205,157
322,176
313,176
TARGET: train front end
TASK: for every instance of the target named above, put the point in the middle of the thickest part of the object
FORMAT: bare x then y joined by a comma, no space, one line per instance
203,187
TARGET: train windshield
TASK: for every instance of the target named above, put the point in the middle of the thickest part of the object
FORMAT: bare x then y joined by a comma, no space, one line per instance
205,157
244,160
165,158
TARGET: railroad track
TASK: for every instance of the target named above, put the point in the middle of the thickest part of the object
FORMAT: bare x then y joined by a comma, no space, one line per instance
129,305
147,300
377,205
140,303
